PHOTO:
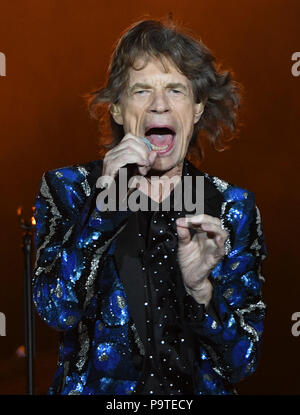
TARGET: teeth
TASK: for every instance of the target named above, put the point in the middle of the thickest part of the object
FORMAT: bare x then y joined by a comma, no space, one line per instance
159,148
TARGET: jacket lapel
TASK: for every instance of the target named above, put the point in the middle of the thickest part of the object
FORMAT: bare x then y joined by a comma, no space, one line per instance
129,266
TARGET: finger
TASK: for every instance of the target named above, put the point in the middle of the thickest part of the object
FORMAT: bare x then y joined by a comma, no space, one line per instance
187,224
116,162
191,228
152,157
135,142
215,231
127,156
220,241
129,145
212,230
184,235
132,145
135,146
198,219
203,218
103,182
144,169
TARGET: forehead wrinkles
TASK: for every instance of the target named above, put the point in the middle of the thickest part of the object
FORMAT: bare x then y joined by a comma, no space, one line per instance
146,76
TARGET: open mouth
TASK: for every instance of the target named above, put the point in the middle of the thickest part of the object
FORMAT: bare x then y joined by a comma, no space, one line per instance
161,138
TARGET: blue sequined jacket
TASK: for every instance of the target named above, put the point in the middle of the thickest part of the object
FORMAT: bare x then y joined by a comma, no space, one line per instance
96,317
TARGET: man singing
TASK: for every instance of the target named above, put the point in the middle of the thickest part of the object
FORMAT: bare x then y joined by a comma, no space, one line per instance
152,301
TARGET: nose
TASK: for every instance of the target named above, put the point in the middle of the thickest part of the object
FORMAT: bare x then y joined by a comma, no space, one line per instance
159,103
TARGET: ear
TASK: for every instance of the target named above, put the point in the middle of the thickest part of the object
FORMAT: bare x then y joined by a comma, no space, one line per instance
115,110
199,108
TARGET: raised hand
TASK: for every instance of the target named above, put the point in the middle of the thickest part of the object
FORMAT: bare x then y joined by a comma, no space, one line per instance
131,149
198,255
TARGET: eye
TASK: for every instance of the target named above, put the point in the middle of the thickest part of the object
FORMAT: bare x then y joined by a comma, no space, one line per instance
141,91
176,91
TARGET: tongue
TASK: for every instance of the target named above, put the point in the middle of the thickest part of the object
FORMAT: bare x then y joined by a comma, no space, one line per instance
160,140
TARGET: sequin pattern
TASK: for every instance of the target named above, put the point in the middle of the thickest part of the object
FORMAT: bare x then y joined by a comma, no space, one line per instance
74,242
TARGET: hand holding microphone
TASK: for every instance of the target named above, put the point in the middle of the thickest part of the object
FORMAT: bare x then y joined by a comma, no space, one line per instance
131,150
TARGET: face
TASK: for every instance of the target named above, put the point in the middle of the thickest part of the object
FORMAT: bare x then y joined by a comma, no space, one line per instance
159,105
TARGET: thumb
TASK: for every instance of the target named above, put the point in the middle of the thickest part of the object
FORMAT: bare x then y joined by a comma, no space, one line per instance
152,156
184,235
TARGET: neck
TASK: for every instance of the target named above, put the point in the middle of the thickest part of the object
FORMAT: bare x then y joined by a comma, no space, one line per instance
161,192
174,171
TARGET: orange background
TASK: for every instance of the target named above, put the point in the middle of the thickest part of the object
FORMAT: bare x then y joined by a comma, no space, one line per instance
57,50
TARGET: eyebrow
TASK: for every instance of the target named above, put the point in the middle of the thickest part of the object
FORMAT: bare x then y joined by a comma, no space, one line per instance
172,85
